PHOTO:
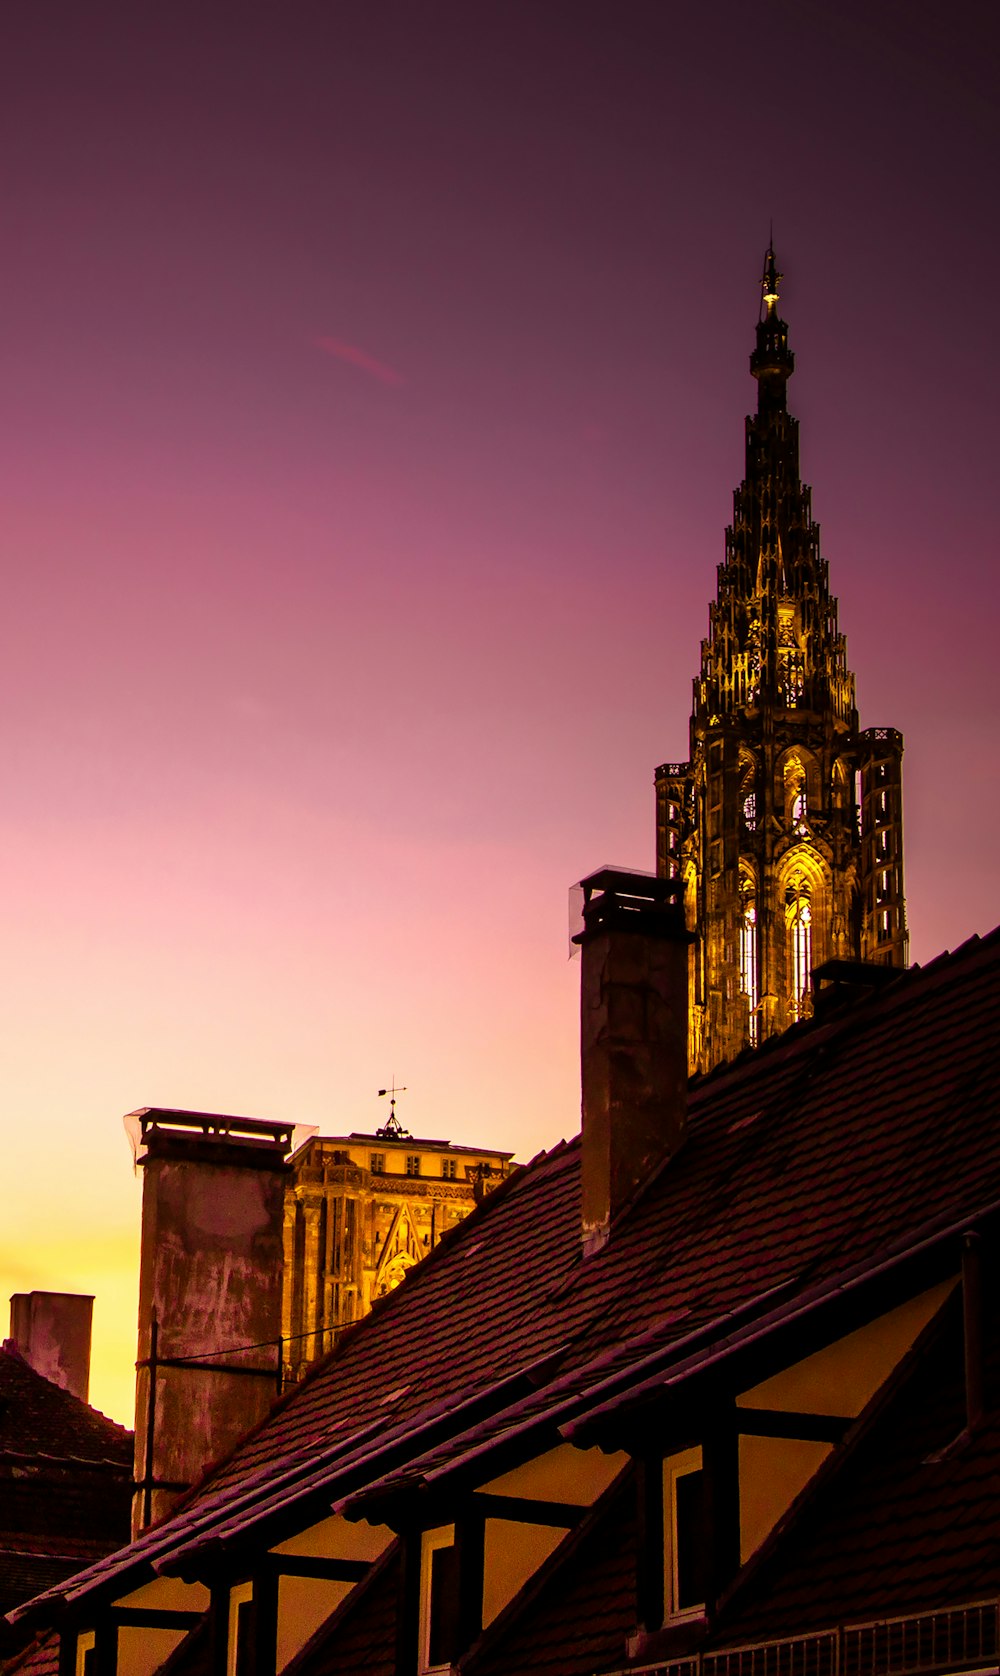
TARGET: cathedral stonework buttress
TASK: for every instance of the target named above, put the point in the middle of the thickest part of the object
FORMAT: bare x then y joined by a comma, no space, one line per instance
785,824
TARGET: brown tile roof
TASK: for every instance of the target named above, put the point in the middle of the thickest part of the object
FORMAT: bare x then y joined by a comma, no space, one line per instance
65,1484
39,1658
907,1521
824,1154
38,1418
365,1640
582,1603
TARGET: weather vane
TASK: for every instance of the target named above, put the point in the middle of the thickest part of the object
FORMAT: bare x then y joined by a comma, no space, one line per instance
392,1130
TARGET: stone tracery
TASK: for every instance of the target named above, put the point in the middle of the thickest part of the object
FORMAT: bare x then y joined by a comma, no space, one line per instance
782,788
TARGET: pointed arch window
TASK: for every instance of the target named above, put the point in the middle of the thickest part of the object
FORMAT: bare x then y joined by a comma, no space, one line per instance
749,979
798,918
753,661
796,795
748,790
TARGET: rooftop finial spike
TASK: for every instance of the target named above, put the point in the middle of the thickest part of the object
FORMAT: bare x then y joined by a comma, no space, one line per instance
771,280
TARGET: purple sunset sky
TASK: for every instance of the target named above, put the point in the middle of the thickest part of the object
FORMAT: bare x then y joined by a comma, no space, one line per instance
373,389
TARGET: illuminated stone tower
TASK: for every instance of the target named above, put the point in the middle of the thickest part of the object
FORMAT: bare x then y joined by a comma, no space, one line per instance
786,823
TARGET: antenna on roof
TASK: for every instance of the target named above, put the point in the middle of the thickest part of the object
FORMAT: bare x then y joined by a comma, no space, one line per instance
392,1130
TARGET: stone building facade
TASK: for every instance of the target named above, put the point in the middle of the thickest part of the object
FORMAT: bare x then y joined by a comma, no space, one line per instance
785,823
360,1210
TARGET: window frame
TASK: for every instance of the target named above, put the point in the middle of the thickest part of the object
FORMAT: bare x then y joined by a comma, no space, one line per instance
86,1643
680,1465
439,1536
241,1594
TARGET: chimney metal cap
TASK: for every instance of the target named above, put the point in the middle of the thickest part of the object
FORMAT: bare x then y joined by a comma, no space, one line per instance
209,1137
616,899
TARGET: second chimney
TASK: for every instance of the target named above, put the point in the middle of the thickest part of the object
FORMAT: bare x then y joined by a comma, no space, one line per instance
633,1038
52,1332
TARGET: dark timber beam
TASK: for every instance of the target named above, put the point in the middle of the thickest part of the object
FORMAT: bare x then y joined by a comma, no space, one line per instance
523,1511
776,1422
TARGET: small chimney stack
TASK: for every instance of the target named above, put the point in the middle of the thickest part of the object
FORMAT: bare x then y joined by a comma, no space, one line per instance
210,1278
51,1330
633,1038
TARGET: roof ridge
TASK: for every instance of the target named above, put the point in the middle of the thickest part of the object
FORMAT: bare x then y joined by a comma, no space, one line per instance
56,1393
888,996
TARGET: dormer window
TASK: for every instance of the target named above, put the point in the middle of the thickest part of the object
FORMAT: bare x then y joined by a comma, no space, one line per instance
685,1544
439,1622
239,1655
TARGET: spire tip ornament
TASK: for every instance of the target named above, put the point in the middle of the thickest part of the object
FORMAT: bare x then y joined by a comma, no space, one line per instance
772,362
770,282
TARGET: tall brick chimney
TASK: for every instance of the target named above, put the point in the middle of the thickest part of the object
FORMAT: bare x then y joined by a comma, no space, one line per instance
210,1279
633,1038
52,1332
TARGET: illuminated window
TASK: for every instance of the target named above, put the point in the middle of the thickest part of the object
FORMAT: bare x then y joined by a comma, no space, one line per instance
796,796
748,953
791,679
798,913
750,811
439,1644
685,1545
449,1168
753,662
413,1164
376,1163
239,1652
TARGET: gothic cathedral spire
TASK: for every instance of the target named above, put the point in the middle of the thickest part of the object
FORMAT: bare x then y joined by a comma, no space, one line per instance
786,822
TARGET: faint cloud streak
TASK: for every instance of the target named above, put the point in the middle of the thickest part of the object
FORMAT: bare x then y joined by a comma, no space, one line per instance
356,357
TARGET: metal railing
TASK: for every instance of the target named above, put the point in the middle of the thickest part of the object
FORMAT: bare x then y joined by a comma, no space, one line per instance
917,1644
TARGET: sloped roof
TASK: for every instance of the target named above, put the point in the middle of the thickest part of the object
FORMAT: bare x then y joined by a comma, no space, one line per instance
365,1642
909,1518
582,1602
40,1419
826,1153
39,1658
65,1484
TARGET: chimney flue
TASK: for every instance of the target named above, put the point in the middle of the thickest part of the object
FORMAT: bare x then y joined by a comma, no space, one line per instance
210,1278
52,1332
633,1038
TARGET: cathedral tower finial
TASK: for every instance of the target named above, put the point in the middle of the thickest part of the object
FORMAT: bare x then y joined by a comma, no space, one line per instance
785,824
770,282
772,362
